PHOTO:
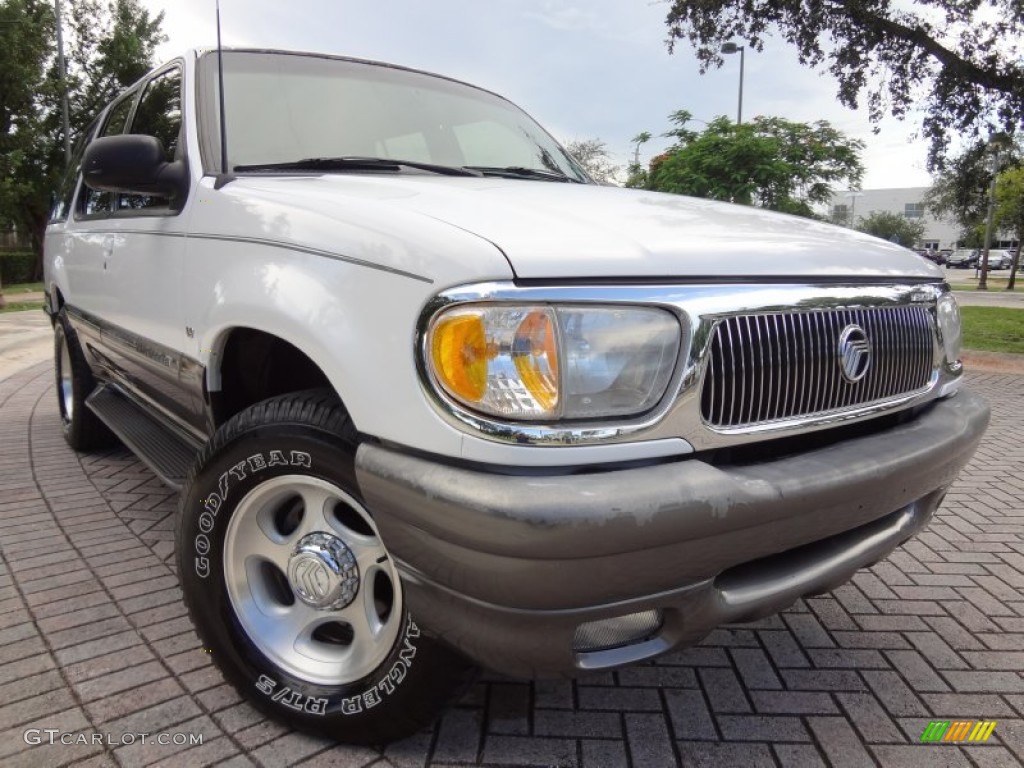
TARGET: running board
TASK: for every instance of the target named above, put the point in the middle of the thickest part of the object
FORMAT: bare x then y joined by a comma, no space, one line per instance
164,449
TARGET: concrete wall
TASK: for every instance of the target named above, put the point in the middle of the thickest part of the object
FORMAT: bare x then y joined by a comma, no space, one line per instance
907,201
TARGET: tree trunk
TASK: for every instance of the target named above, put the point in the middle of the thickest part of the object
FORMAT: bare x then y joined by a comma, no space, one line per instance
37,235
1016,261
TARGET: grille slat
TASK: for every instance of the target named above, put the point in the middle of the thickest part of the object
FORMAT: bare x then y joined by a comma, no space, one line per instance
892,336
793,391
733,377
777,366
873,328
831,371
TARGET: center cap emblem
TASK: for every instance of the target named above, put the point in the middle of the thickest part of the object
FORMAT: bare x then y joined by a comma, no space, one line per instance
323,572
854,353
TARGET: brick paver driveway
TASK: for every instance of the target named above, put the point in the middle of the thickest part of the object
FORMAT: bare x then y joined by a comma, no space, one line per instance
94,640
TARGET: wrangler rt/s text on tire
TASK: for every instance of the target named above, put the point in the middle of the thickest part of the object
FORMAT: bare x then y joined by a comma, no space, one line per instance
290,585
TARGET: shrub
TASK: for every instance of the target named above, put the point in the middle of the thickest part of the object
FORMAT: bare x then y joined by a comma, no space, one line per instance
16,267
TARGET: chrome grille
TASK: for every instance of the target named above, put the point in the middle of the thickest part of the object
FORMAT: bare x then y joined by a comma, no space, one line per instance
772,367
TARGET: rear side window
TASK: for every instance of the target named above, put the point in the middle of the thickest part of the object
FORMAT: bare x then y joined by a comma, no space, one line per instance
68,185
91,202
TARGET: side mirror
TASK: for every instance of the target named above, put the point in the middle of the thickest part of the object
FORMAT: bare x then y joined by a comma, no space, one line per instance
134,164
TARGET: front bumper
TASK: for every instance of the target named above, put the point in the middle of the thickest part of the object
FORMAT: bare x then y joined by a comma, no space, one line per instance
507,567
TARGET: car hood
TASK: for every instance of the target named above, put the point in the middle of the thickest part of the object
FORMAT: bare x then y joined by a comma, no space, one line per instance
556,230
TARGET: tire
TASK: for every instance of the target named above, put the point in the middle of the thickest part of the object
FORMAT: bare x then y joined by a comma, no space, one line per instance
82,428
291,588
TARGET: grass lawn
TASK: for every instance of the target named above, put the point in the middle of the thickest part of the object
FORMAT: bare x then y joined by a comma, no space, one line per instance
21,288
964,280
993,329
11,292
22,306
993,285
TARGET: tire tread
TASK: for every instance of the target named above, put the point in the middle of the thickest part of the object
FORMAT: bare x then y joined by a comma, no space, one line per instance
86,431
444,677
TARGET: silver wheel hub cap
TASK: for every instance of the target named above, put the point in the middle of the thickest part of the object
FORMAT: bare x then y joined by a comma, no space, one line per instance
311,581
67,391
323,572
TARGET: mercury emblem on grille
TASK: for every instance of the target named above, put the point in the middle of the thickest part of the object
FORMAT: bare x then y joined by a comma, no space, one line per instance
854,353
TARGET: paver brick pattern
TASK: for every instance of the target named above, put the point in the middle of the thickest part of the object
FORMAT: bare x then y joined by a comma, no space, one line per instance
94,639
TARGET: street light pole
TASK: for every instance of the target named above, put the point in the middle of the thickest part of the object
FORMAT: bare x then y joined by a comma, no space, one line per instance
852,197
996,142
731,47
62,70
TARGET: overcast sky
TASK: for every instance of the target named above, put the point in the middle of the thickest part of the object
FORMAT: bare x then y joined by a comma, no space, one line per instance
598,69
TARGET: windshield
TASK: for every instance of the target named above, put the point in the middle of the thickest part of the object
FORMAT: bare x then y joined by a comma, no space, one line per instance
284,108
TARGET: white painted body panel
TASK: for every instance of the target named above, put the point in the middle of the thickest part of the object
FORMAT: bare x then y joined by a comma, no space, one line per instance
356,322
566,231
342,265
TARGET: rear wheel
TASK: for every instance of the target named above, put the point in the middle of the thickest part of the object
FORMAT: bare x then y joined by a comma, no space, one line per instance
291,586
82,428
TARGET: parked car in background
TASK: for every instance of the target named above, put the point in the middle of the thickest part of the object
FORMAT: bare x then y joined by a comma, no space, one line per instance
936,257
999,259
963,258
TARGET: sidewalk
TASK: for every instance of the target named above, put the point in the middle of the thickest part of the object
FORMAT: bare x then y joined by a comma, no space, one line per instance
993,297
26,338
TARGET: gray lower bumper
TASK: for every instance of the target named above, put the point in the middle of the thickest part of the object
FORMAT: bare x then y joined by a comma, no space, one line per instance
506,568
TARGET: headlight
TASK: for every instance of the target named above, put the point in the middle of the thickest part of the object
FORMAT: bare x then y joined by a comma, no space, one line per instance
948,314
542,363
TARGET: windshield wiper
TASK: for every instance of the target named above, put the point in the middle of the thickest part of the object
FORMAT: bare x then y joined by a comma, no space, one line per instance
357,164
519,172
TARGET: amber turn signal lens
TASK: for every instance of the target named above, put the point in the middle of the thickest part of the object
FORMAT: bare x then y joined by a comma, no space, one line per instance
536,358
459,351
544,363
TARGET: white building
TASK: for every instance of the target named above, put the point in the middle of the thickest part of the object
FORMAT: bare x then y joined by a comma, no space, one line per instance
848,207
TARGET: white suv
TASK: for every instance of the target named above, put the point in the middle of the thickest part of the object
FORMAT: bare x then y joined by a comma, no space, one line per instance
435,399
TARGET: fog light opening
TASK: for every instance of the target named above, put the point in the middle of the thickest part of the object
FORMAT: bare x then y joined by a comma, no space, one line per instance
617,632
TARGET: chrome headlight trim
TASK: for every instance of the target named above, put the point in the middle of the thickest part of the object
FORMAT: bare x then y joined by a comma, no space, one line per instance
576,432
699,307
950,328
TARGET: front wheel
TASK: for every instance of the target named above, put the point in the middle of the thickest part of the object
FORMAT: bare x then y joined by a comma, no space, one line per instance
291,586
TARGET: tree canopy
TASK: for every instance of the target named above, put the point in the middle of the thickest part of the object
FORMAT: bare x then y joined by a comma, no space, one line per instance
893,227
107,48
959,62
960,192
769,162
593,155
1009,211
26,101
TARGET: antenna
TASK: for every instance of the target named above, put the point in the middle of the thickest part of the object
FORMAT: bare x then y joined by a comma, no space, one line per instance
225,175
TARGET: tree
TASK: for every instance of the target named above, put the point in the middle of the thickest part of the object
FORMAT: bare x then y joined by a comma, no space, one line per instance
636,176
770,162
592,154
1009,212
24,52
959,193
893,227
107,48
958,62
